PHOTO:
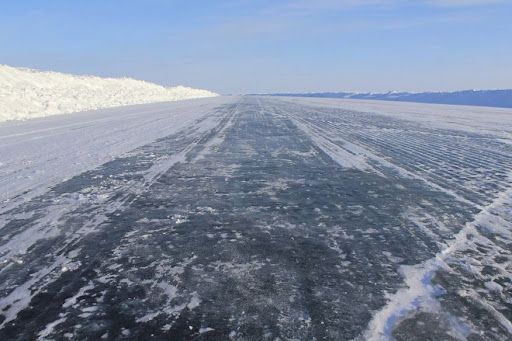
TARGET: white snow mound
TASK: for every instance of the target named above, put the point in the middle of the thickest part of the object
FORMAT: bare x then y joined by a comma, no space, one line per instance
27,93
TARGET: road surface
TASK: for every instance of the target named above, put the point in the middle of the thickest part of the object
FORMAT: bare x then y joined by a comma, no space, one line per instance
257,219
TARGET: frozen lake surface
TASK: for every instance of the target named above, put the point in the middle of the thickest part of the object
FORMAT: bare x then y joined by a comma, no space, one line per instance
254,218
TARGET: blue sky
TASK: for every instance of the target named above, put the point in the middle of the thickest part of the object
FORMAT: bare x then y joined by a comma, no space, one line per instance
242,46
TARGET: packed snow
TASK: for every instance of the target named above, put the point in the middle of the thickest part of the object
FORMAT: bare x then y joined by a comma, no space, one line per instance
27,93
36,154
495,121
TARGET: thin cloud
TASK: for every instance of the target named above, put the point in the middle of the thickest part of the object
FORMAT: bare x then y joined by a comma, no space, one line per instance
464,3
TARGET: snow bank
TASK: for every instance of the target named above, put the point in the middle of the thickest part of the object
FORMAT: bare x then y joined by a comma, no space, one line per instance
26,93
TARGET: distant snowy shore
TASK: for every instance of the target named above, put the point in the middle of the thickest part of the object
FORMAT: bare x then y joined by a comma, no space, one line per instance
486,98
27,93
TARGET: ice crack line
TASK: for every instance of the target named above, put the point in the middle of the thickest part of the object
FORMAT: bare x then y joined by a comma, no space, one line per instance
420,293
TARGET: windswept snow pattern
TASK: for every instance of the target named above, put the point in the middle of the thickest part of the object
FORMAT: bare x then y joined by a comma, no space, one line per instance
270,219
26,93
36,154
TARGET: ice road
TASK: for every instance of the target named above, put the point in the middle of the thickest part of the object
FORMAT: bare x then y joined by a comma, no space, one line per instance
254,218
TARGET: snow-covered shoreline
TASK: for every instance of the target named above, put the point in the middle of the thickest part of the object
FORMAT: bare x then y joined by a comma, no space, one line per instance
27,93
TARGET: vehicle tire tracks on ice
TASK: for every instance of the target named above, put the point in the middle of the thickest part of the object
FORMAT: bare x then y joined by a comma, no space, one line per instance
37,247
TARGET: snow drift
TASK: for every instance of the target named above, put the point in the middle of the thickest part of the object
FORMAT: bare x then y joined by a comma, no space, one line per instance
26,93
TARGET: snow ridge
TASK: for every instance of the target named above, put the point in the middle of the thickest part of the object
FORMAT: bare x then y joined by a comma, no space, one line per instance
27,93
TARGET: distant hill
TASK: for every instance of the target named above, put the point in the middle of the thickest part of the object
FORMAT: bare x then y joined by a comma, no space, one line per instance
489,98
